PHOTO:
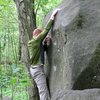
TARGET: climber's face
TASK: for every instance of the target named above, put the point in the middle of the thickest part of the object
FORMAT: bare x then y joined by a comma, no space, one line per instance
36,32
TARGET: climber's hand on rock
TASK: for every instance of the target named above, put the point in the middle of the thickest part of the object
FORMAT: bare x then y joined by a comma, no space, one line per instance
54,13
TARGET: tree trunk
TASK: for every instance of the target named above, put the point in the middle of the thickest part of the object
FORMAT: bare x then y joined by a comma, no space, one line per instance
27,24
30,20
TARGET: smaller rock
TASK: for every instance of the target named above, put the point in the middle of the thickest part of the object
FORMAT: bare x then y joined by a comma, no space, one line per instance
6,98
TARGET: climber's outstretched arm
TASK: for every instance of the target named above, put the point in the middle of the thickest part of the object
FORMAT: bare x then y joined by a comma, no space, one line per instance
47,26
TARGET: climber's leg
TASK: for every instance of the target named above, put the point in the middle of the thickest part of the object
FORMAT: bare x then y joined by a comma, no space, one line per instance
40,79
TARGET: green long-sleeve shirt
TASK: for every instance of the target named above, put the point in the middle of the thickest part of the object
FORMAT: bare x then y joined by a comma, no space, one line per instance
34,45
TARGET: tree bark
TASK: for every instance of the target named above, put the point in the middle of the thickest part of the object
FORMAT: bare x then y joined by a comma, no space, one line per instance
27,23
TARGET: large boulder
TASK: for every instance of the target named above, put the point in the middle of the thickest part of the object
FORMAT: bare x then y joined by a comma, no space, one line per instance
74,57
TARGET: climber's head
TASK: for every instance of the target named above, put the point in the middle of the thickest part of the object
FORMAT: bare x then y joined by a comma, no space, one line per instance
36,32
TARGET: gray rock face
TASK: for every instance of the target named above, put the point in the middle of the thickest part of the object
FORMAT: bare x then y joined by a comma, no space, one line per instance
74,58
91,94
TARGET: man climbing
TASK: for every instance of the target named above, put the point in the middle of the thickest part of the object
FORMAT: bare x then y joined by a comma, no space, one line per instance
36,59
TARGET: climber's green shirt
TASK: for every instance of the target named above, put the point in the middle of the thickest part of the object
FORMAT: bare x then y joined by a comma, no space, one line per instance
34,45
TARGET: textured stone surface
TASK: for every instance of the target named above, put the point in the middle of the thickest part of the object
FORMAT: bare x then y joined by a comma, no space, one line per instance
74,58
6,98
91,94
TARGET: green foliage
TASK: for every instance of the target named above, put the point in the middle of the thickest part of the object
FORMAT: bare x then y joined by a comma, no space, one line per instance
14,78
8,14
42,7
8,31
2,77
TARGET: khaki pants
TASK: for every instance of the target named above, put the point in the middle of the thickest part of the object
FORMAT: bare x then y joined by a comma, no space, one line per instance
40,79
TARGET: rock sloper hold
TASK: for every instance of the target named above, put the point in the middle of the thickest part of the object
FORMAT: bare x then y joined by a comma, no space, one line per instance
74,57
